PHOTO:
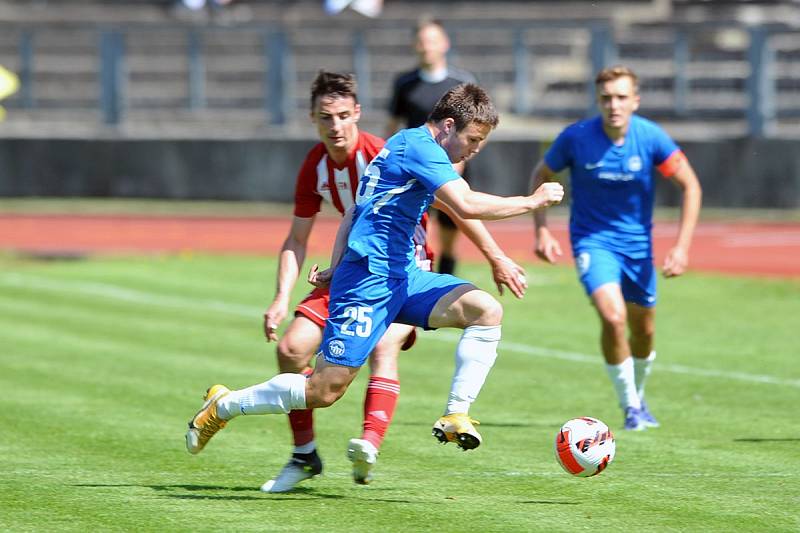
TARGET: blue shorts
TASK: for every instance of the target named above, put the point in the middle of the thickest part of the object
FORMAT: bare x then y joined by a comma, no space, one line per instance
636,277
363,305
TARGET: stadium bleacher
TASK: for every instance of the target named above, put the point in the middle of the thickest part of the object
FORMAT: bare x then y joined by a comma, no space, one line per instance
178,77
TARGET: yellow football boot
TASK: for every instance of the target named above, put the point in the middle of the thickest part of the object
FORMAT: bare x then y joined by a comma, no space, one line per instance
458,428
206,423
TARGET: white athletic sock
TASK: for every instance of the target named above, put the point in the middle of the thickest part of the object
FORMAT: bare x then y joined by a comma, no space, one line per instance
306,448
621,376
281,394
475,355
641,369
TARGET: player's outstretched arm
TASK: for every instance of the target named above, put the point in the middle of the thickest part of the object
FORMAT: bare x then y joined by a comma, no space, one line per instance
545,245
290,261
677,259
470,204
504,271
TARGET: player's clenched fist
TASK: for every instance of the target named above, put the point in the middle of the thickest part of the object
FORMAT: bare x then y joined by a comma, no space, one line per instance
547,194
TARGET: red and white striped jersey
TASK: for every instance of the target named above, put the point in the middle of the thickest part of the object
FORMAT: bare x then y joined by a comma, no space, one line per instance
320,178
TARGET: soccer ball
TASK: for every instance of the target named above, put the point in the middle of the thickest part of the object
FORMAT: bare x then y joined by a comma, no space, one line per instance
584,446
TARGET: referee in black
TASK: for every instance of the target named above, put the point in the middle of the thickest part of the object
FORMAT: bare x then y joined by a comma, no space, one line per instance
414,95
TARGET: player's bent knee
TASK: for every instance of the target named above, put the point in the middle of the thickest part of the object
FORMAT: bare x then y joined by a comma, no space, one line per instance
614,321
292,357
495,312
487,310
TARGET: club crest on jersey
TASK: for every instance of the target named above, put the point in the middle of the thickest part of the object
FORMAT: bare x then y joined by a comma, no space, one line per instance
583,261
336,348
635,163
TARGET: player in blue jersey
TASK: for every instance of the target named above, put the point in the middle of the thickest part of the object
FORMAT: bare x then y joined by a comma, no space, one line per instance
610,158
376,280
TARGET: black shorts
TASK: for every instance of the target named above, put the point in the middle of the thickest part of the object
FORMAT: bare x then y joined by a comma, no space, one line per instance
444,220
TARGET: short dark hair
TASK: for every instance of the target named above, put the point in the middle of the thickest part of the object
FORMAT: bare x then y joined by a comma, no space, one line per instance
465,103
427,20
333,84
616,72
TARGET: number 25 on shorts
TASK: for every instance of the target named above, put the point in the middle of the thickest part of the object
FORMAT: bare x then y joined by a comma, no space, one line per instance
363,323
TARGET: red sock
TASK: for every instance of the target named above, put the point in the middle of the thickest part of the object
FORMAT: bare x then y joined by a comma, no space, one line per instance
302,421
379,404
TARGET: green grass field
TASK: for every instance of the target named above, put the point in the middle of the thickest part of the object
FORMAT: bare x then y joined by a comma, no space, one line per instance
103,361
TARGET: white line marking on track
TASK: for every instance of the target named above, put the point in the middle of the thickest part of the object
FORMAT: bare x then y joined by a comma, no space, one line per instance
762,240
116,292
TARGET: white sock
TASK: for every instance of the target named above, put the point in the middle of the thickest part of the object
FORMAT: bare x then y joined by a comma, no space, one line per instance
281,394
306,448
475,355
641,369
621,376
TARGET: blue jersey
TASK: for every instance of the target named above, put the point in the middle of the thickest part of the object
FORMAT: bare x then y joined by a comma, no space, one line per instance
612,186
395,190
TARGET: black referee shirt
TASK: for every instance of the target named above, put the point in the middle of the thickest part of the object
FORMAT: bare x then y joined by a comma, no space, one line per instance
413,98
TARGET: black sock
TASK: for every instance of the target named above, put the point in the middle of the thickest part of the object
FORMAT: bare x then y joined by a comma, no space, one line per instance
447,264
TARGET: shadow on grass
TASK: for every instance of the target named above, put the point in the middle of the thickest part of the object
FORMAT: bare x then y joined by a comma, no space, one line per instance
299,493
164,487
261,496
767,439
546,502
256,494
482,424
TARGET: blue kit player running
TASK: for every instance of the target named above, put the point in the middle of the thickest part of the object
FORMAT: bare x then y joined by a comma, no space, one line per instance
377,281
610,159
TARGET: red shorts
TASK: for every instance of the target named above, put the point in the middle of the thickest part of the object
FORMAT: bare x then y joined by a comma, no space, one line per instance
315,308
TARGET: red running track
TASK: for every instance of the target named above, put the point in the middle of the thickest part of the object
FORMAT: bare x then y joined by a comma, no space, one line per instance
754,248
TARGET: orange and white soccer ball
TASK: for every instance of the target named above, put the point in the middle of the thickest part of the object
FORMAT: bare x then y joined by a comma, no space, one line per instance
585,446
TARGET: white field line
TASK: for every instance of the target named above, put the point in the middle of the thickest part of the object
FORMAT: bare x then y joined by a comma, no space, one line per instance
122,294
115,292
549,353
